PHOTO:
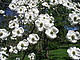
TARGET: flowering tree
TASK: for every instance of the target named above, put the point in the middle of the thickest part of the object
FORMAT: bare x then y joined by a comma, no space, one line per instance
39,30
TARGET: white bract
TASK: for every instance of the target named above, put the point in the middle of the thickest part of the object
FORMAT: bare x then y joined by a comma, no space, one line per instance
73,36
45,4
12,6
13,50
52,32
21,9
23,45
53,2
31,56
2,12
18,31
74,53
3,55
40,24
33,38
4,33
14,23
74,18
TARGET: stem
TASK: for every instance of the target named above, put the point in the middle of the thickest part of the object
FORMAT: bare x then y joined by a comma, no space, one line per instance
24,55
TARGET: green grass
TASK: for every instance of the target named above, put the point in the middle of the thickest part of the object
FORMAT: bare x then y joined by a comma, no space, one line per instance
59,54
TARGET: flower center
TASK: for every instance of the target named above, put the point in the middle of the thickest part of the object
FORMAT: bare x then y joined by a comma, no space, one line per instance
41,24
75,18
73,52
20,9
51,32
18,32
22,45
13,24
73,37
33,39
50,21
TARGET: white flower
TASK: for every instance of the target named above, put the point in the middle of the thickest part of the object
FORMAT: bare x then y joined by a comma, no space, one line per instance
74,53
17,58
13,50
69,5
14,23
21,9
33,38
23,45
34,11
40,24
4,48
53,2
31,56
48,23
46,20
51,32
30,16
45,4
3,55
72,36
44,17
74,18
2,12
18,32
32,4
12,6
19,3
4,33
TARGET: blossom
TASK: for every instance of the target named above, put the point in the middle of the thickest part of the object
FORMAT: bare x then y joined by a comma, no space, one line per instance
23,45
12,6
14,23
21,9
33,38
4,33
32,4
3,55
13,50
53,2
74,18
31,56
45,4
2,12
40,24
74,53
72,36
51,32
18,31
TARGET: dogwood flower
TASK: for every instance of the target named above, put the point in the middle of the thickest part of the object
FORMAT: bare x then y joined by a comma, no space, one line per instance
45,4
74,18
2,12
14,23
4,33
31,56
13,50
51,32
3,55
18,31
12,6
40,24
32,4
72,36
21,9
74,53
23,45
33,38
